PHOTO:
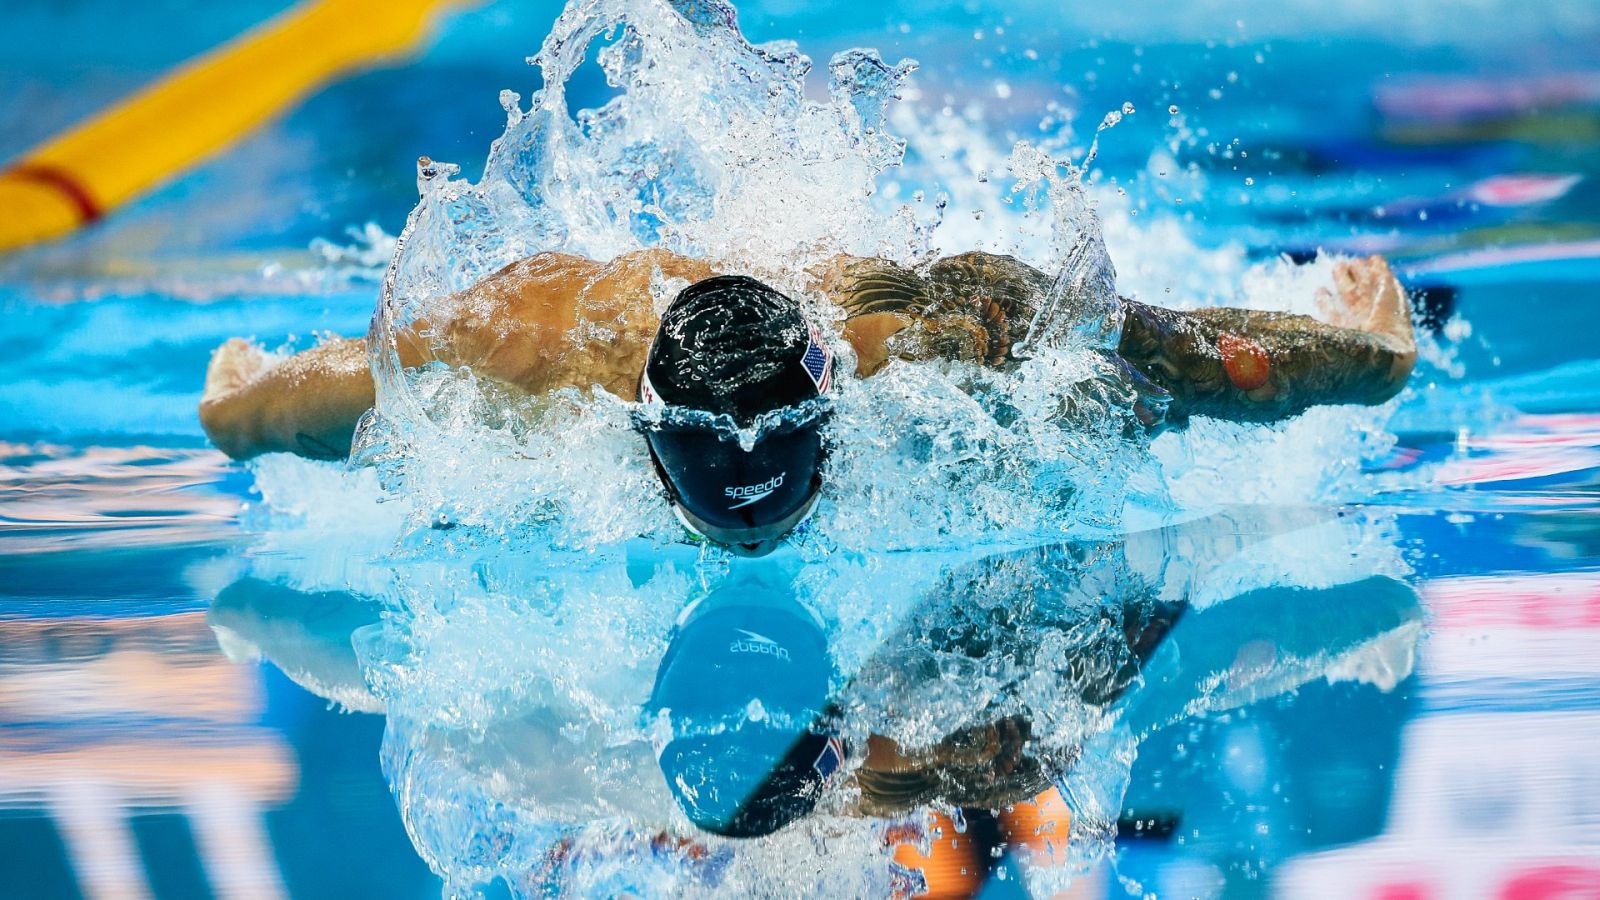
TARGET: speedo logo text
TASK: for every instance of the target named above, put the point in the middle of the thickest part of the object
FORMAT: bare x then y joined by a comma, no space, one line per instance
758,643
753,493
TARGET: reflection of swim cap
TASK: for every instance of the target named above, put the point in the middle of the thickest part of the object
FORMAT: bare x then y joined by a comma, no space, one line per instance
744,685
732,346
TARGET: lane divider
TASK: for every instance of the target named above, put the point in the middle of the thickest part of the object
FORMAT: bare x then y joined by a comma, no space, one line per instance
198,110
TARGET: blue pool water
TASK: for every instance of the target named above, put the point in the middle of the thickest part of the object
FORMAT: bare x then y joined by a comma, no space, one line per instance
266,680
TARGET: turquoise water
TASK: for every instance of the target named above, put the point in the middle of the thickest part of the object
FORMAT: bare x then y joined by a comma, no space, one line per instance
1382,682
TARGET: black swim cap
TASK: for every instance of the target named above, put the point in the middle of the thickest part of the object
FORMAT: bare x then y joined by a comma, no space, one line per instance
745,686
733,347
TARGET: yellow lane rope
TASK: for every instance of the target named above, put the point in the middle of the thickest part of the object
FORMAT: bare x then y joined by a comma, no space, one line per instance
199,109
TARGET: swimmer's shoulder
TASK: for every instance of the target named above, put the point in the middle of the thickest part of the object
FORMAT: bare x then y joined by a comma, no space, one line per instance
869,285
646,263
995,276
547,269
861,284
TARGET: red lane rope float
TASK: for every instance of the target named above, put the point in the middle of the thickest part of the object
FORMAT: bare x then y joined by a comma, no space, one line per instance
64,183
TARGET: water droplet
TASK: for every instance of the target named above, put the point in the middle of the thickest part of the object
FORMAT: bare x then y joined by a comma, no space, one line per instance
1002,90
1249,181
1172,110
511,102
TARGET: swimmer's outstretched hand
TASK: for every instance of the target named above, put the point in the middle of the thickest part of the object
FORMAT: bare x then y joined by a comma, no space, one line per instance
1370,299
233,365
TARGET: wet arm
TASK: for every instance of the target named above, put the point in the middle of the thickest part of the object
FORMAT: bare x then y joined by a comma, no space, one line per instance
308,404
515,327
1252,366
984,765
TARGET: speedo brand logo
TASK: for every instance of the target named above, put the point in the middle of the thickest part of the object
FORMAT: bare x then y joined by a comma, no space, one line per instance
758,643
753,493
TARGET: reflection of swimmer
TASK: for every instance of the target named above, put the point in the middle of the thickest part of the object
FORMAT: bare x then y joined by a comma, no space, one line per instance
307,635
1064,638
531,752
739,710
988,693
733,346
752,728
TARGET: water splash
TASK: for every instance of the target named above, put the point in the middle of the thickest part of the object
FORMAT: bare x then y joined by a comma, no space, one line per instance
712,149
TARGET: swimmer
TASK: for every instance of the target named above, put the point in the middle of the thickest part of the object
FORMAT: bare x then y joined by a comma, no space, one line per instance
731,345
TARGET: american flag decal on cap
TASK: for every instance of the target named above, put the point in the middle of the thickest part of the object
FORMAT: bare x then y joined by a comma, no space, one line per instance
647,391
818,360
828,760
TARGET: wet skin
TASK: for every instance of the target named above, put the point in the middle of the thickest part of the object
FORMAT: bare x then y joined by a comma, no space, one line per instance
557,320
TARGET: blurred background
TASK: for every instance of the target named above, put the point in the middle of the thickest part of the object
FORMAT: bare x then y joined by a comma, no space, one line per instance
1408,99
1462,137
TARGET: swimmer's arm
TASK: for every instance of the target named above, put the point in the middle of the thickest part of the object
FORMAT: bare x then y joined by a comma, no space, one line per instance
1252,366
308,404
510,327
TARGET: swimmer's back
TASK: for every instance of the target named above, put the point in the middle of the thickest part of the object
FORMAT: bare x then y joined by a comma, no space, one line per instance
557,320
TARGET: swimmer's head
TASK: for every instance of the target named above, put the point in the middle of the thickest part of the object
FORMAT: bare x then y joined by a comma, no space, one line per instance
743,687
735,349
